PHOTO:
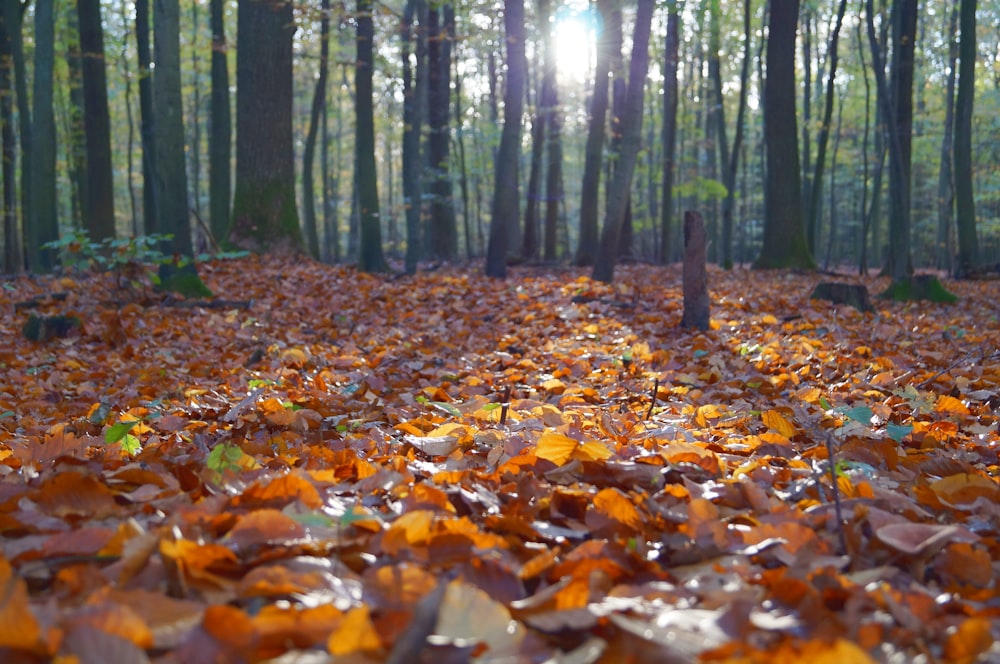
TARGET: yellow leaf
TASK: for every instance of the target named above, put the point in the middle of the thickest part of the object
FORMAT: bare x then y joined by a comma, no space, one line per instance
965,488
616,505
556,447
591,451
775,421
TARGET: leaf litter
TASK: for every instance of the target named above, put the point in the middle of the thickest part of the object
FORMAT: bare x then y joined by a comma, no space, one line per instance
443,467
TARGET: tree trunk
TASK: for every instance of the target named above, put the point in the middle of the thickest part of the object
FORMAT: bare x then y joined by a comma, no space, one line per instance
669,137
14,18
146,117
816,190
412,121
171,177
99,215
696,303
309,151
631,128
505,184
553,141
964,203
594,151
264,213
11,236
220,140
43,227
442,239
370,257
784,232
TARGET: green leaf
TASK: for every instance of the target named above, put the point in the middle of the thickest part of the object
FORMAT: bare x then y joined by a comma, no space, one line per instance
224,457
131,444
491,406
118,431
898,431
446,407
6,413
824,404
862,414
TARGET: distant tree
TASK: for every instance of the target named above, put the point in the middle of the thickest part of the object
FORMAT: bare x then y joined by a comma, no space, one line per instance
596,129
968,244
505,183
946,181
370,256
99,215
784,230
309,151
553,140
669,134
442,236
264,213
43,226
413,93
144,49
220,140
631,128
13,17
8,165
171,177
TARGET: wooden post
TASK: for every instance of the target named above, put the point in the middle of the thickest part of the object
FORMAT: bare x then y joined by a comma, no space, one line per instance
696,313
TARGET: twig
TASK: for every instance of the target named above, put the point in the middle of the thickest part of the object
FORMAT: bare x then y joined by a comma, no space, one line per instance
505,404
652,401
836,495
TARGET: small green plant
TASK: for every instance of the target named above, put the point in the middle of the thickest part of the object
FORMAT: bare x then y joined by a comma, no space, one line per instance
122,433
131,259
225,457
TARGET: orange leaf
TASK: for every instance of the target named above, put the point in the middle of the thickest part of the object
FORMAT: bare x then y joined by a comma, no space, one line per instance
616,505
970,640
354,633
964,488
18,628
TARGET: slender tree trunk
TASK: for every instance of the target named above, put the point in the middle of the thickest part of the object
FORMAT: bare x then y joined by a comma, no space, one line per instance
463,181
529,239
220,129
505,188
669,130
964,203
816,190
100,211
443,236
309,151
194,149
124,56
43,227
553,140
412,121
946,182
11,237
370,257
14,18
146,121
594,150
631,127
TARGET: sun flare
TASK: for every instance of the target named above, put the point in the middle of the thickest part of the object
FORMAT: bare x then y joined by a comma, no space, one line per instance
574,44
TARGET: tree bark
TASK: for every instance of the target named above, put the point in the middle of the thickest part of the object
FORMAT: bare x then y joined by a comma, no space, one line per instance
146,116
965,207
594,151
631,128
99,215
8,165
171,176
505,183
553,140
264,213
696,303
669,137
442,239
220,139
43,227
370,257
309,151
412,121
784,231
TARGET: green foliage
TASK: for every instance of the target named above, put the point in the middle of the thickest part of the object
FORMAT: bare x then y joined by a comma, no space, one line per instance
224,457
704,188
122,433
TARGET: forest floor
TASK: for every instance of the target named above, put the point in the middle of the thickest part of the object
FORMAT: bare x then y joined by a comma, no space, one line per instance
446,468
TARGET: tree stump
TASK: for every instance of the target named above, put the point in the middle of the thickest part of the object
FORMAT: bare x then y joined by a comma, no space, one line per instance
696,304
839,292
